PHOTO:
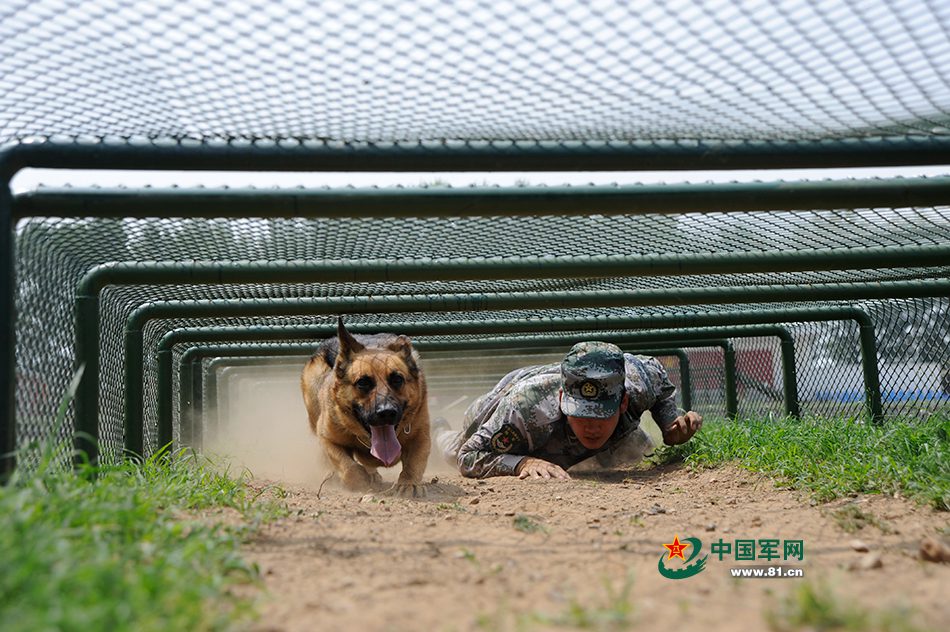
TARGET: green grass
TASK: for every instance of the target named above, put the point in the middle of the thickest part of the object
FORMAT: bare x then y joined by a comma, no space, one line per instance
613,614
833,457
132,546
814,607
852,519
527,524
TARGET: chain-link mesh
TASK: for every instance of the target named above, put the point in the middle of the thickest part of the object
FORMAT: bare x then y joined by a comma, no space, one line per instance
912,335
383,71
464,76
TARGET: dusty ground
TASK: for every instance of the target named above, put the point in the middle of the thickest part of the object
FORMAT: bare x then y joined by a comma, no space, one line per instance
457,560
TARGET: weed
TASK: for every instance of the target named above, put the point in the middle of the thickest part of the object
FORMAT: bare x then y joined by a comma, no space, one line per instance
852,519
468,555
832,457
813,606
125,546
527,524
615,614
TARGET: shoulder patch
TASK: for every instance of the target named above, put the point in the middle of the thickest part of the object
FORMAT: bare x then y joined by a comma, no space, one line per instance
507,439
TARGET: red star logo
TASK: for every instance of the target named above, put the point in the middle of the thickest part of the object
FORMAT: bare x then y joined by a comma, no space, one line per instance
676,549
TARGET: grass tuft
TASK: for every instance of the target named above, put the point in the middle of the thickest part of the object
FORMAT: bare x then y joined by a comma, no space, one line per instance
812,606
852,519
614,614
832,457
527,524
126,546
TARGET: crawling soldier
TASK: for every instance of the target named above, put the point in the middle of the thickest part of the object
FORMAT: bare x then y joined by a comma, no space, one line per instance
540,420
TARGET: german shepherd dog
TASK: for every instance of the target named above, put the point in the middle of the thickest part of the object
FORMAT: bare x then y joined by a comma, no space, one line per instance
367,403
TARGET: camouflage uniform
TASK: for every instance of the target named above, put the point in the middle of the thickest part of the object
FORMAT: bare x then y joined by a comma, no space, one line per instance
522,416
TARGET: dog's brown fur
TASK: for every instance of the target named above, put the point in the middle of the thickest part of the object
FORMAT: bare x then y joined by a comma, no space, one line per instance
340,411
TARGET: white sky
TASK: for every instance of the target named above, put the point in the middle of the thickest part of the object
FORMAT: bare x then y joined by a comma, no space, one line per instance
30,179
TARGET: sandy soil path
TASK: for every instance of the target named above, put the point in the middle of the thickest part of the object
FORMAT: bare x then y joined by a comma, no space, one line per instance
508,554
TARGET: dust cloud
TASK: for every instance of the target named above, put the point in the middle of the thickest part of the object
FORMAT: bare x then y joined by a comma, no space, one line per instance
264,428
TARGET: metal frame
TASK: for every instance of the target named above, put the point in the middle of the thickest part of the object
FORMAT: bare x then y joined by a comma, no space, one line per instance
244,352
196,410
87,307
467,302
264,155
510,201
672,337
292,332
295,332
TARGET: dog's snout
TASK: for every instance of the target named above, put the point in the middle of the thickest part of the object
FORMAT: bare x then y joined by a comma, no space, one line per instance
386,415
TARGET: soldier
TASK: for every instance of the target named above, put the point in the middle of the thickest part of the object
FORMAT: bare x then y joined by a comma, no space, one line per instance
540,420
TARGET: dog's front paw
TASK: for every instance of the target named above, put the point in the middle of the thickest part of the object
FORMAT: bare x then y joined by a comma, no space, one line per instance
357,479
407,490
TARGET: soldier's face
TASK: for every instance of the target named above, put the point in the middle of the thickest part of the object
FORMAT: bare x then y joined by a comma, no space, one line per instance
593,433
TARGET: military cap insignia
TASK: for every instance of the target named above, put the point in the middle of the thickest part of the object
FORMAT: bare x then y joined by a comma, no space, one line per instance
589,390
506,439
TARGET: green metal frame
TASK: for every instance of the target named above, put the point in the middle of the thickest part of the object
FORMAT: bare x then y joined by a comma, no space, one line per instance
244,352
689,338
87,305
197,412
224,375
419,156
630,342
466,302
509,201
289,332
502,326
318,332
227,364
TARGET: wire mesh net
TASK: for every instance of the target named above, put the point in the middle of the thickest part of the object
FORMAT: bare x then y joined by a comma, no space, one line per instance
483,78
913,335
516,70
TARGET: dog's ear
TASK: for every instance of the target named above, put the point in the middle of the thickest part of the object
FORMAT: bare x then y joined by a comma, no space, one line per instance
403,346
348,346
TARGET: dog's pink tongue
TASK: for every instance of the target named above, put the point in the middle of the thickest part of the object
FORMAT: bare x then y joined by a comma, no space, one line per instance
384,445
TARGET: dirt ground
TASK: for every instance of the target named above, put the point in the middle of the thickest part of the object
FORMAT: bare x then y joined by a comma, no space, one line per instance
505,554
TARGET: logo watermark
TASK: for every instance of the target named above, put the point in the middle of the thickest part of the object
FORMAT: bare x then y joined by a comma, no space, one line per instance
767,571
740,550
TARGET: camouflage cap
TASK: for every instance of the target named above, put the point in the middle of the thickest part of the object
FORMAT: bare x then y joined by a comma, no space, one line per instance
592,376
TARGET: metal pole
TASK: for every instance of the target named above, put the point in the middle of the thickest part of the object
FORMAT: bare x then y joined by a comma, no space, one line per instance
7,329
134,395
86,404
790,376
164,406
872,382
732,390
443,155
573,267
686,382
508,201
196,403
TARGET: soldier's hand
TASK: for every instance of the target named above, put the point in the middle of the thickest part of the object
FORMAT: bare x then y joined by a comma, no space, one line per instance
531,467
683,428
